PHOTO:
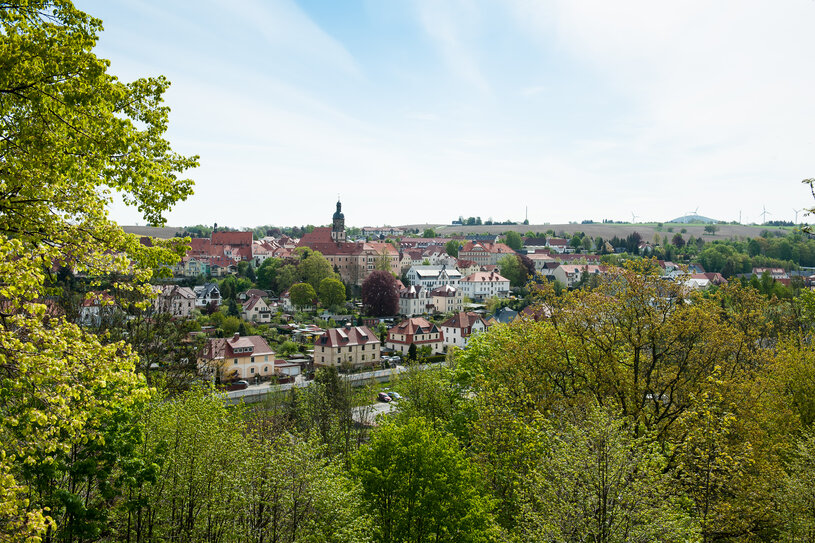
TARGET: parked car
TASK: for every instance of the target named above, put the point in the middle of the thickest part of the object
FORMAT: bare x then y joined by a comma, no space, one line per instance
395,396
237,385
382,397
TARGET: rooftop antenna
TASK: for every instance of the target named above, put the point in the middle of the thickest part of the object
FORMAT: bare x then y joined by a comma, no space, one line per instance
764,214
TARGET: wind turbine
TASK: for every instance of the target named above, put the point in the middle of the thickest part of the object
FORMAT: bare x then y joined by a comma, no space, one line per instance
694,212
634,217
764,214
797,211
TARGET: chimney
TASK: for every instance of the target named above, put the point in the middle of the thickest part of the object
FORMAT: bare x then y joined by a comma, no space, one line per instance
236,337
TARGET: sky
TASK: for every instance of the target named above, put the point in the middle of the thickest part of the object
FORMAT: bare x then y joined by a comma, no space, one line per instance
421,111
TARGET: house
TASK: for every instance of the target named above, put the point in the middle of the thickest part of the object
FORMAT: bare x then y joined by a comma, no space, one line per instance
431,277
239,357
482,285
446,299
255,309
775,273
483,253
460,327
414,300
191,266
95,307
559,245
415,331
347,346
175,300
504,315
206,294
575,272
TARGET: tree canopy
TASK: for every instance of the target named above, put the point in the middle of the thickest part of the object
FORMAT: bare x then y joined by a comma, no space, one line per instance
71,136
380,294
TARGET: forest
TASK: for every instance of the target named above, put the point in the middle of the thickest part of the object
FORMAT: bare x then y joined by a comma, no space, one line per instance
634,410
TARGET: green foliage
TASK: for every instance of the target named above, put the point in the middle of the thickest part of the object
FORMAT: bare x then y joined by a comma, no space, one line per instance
512,269
452,247
332,292
597,482
302,295
429,233
420,486
72,134
513,240
286,276
314,268
266,275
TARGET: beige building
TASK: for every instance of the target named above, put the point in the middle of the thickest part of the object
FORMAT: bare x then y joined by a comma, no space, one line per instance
447,299
349,345
239,357
354,261
175,300
255,309
415,331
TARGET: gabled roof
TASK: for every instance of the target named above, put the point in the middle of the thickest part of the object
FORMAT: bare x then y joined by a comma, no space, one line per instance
484,277
347,336
415,325
252,302
445,290
232,238
219,348
463,319
172,291
503,315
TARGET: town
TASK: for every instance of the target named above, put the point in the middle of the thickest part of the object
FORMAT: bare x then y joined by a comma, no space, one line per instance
303,299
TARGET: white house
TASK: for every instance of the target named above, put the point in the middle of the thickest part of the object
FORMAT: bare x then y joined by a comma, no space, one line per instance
431,277
255,309
446,299
205,294
483,285
414,300
460,327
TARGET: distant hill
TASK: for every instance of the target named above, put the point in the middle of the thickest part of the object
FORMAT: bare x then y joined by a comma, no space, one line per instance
690,219
162,232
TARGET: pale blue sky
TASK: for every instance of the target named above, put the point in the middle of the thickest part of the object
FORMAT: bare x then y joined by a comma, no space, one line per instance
421,111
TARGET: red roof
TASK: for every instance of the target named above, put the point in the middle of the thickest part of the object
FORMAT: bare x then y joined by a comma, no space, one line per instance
484,277
463,319
218,348
415,325
232,238
346,336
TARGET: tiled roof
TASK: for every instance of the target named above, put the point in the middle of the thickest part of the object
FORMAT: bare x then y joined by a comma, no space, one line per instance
415,325
484,277
232,238
218,348
251,302
462,319
445,290
347,336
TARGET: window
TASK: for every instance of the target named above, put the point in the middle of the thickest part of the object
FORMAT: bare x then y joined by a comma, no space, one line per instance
251,370
236,361
253,359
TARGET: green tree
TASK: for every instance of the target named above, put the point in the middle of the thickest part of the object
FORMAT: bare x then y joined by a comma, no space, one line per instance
429,233
421,487
302,295
597,482
511,268
71,135
332,292
267,273
286,277
452,247
314,268
513,240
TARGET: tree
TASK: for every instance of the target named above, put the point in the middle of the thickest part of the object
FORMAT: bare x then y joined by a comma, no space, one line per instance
421,487
380,295
412,353
678,241
711,229
452,247
598,482
429,233
286,277
302,295
267,273
71,135
513,240
332,292
314,268
511,268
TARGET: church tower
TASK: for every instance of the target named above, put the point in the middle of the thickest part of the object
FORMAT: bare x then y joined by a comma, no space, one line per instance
338,225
